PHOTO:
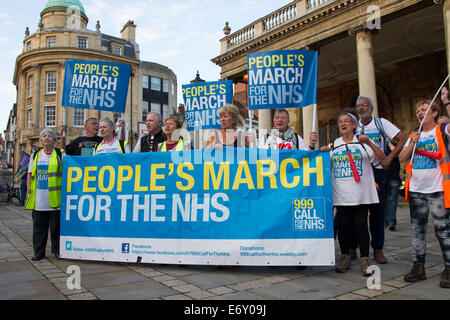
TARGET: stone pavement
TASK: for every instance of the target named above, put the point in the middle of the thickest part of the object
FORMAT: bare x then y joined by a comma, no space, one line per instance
23,279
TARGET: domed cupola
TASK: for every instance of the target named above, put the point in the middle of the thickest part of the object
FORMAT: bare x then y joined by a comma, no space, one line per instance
64,13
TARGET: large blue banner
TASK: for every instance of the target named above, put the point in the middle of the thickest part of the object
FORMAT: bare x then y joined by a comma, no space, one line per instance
282,79
236,206
96,85
202,102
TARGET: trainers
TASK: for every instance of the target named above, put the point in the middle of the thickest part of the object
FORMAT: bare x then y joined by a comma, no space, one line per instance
365,263
344,263
379,257
445,280
352,253
417,273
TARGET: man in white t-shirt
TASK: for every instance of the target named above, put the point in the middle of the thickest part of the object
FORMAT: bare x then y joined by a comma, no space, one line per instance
378,130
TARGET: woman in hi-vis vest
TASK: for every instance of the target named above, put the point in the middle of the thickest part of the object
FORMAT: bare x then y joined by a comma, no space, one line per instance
175,141
44,194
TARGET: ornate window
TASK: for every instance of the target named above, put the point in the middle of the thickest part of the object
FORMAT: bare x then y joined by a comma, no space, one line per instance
78,117
51,42
29,118
30,86
50,116
50,82
82,42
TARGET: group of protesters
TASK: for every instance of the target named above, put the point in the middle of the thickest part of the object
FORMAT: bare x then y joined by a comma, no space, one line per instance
359,199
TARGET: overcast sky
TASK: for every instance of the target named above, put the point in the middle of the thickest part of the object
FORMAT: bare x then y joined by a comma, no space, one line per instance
182,35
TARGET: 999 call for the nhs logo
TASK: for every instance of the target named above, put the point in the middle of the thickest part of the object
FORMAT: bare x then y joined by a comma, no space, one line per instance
308,214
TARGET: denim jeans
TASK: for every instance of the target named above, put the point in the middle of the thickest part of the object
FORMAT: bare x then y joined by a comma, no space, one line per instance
420,205
376,215
390,214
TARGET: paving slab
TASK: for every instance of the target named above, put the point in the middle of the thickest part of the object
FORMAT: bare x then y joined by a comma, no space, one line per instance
134,291
309,288
30,290
426,290
108,279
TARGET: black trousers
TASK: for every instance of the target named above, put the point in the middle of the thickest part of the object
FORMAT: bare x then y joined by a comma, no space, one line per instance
42,222
353,221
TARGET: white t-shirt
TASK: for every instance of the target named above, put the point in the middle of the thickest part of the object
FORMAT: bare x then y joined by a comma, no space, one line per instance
426,172
346,191
42,202
113,147
372,132
274,143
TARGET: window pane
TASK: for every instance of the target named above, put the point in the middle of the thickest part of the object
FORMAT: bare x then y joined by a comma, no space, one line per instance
145,82
50,82
117,50
82,42
165,85
30,86
50,116
78,117
144,110
165,111
156,107
51,42
156,84
30,118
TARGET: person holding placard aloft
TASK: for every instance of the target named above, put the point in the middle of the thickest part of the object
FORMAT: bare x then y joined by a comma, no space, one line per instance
354,187
427,187
110,143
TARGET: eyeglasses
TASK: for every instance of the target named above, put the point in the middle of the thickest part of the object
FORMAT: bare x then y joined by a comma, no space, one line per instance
363,105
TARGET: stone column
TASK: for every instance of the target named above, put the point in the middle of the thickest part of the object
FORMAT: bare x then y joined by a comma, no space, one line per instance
446,9
265,122
308,120
37,95
22,101
366,68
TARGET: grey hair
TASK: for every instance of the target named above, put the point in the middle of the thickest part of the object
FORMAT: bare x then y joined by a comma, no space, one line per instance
48,131
108,121
280,111
158,116
364,97
89,119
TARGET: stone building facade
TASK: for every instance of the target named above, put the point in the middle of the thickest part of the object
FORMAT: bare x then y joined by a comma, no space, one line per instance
62,34
393,51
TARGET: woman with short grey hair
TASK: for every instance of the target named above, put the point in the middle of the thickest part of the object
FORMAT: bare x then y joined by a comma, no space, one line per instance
44,193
